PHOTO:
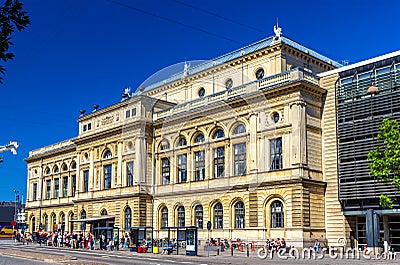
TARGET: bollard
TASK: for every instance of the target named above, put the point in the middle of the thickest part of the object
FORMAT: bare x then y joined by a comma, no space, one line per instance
247,250
218,251
231,250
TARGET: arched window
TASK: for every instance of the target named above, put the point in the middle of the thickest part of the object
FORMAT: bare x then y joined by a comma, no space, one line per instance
107,154
199,138
218,216
64,167
33,224
198,211
239,129
164,145
83,224
103,212
73,165
182,141
239,215
277,217
218,134
53,221
128,218
71,224
46,222
62,221
164,217
181,216
47,171
56,169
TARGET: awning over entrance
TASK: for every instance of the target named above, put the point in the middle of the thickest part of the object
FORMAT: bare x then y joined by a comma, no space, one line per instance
94,219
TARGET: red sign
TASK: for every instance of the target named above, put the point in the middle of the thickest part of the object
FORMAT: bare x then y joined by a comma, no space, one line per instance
13,223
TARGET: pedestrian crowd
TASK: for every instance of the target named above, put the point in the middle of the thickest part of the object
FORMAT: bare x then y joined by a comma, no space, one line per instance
73,240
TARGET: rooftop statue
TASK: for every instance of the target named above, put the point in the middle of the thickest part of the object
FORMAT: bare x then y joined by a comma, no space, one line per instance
277,31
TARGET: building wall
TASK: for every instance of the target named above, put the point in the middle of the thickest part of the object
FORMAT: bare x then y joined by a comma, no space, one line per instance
287,104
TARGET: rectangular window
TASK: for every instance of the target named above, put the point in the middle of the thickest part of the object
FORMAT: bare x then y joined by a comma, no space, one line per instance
129,174
65,187
48,189
239,159
165,171
107,176
134,112
56,187
276,153
89,126
86,181
127,113
199,165
73,185
182,168
219,162
34,197
84,128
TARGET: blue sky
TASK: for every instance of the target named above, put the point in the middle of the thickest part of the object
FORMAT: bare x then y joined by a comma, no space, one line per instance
79,52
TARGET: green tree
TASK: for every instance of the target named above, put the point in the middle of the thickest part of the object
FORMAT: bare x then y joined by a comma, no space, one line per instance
12,17
385,159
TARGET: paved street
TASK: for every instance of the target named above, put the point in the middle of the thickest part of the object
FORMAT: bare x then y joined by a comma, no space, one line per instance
50,255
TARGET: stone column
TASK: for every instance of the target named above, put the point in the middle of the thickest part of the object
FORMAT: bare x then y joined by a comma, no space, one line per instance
252,150
77,176
207,163
299,132
228,159
173,165
91,184
140,158
119,164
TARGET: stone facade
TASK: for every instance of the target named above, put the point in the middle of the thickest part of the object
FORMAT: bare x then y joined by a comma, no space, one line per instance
243,141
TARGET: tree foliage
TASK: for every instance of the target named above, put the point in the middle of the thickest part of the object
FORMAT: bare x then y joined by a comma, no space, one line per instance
12,17
385,159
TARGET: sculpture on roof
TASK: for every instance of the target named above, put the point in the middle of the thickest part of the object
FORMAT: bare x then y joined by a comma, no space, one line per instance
186,69
277,31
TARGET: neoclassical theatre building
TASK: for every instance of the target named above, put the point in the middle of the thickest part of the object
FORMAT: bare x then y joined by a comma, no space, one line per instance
246,140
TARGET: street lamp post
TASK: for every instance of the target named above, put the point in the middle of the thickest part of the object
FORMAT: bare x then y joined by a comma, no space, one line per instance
15,212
